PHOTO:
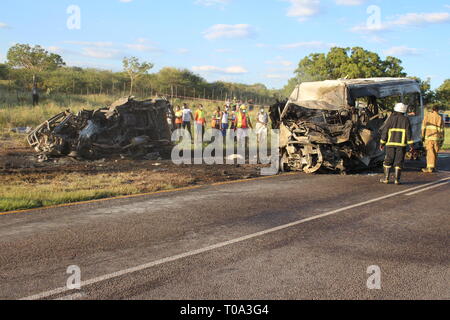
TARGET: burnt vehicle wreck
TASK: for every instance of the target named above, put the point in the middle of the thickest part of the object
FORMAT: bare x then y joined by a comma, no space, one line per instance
128,128
335,125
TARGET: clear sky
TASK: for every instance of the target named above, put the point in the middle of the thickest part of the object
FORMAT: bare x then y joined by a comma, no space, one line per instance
245,41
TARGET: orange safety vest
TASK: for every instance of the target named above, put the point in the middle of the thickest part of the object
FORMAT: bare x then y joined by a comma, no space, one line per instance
200,117
179,117
242,121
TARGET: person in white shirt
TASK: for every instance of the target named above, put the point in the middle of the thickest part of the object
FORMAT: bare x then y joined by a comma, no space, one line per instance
262,125
224,124
187,118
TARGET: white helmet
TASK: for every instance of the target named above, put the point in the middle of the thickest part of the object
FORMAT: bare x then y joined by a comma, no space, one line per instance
401,107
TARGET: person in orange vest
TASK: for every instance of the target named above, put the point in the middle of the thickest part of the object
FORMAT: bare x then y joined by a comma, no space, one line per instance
200,122
217,116
178,118
242,124
433,137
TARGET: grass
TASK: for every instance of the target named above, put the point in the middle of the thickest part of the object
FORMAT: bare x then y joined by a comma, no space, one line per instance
447,139
34,191
16,109
24,114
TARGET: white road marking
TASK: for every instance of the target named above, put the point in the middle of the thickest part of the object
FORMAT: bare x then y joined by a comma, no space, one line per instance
117,274
75,296
426,189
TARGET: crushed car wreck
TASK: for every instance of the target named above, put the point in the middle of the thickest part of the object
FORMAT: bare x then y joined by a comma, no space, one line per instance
127,127
335,125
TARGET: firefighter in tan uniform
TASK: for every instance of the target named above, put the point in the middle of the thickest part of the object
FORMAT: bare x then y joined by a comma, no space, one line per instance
433,136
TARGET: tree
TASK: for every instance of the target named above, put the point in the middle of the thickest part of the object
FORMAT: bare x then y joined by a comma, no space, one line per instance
135,69
428,95
33,59
345,63
3,71
443,94
168,78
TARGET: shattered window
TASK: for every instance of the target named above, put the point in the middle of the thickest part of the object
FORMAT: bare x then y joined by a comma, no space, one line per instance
369,103
413,102
389,103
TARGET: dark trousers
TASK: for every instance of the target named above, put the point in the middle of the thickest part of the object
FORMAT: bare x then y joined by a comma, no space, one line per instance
395,157
187,126
224,129
35,99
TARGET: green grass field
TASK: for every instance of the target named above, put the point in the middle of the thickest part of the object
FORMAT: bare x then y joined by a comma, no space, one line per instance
447,139
27,191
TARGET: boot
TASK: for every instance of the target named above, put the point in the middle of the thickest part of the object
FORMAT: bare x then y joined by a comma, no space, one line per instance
387,173
427,170
398,176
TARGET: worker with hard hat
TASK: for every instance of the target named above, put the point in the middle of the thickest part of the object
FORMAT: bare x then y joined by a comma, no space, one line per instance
200,122
242,124
433,137
396,135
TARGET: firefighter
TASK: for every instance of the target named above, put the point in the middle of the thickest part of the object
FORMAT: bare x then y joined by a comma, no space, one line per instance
433,137
395,137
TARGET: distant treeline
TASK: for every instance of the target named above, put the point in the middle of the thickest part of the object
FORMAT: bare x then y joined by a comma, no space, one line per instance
168,82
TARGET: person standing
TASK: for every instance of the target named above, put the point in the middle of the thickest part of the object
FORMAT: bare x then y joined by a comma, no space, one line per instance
178,118
35,95
261,125
433,137
187,118
396,135
216,119
224,122
243,123
200,122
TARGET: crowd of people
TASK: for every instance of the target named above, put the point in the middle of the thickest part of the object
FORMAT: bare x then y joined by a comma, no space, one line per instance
229,118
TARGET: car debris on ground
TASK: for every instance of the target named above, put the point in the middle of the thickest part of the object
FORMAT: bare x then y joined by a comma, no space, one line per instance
22,130
335,125
128,128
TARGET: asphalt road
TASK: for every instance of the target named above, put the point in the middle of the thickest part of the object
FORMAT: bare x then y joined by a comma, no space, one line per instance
285,237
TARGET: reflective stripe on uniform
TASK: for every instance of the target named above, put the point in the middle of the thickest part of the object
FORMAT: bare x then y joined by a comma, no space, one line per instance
397,144
431,127
433,139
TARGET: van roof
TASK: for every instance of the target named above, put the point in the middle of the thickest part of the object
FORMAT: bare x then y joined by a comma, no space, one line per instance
338,94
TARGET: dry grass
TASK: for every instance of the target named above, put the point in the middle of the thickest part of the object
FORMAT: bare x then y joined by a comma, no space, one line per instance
34,191
447,139
16,109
